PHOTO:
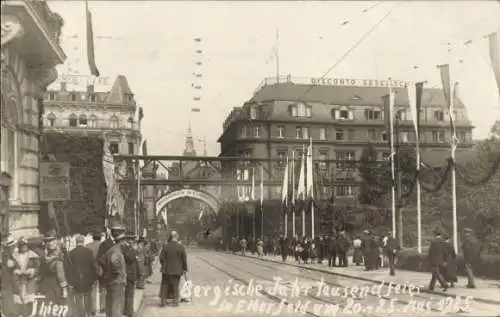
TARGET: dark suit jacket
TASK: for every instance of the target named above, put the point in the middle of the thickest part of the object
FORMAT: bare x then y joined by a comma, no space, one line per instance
436,254
82,273
130,256
173,259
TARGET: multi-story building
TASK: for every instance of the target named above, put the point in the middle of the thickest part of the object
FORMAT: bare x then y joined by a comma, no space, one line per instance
30,51
112,115
341,116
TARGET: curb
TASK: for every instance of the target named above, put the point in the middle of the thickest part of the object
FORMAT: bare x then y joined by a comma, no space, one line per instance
423,290
142,305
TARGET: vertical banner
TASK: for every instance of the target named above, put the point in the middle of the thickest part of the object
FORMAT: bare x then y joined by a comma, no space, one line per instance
90,42
494,45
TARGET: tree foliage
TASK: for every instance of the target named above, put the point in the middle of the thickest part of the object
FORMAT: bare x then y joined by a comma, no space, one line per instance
86,209
478,195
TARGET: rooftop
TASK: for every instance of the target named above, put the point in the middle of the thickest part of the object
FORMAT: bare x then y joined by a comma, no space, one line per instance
346,94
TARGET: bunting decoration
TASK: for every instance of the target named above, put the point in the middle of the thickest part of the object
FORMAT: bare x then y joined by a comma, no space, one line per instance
90,43
495,56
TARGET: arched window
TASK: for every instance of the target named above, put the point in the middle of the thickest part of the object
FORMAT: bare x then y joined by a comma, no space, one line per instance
130,122
114,123
82,120
93,121
73,120
51,119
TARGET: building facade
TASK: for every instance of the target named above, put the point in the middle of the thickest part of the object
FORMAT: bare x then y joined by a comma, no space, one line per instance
30,51
341,117
112,115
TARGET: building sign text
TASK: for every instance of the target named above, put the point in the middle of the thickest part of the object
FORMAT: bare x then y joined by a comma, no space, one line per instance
54,181
359,82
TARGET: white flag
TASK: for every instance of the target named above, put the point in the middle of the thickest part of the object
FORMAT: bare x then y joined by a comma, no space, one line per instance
309,178
301,189
262,185
252,195
284,188
412,99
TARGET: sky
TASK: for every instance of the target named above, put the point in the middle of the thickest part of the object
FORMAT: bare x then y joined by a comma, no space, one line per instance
153,44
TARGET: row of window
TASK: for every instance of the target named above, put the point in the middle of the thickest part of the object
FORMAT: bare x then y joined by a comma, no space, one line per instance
341,156
92,97
304,111
91,122
303,133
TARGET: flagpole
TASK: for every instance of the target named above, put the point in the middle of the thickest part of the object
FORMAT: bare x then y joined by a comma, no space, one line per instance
262,202
311,187
293,193
453,134
303,195
136,214
253,198
286,206
277,56
393,187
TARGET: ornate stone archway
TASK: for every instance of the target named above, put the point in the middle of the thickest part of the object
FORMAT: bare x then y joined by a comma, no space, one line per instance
195,194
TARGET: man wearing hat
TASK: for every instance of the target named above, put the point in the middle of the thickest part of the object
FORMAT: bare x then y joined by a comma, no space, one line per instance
82,276
9,286
173,261
130,256
97,291
392,248
436,257
53,283
114,273
472,256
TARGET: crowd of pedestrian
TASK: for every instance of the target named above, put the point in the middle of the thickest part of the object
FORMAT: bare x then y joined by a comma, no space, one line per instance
368,249
100,276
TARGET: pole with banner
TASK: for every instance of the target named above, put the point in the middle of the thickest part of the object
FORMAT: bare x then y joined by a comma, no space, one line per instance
262,202
389,117
253,200
292,199
284,197
310,187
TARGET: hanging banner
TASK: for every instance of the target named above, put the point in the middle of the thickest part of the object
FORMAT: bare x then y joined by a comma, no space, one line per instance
54,181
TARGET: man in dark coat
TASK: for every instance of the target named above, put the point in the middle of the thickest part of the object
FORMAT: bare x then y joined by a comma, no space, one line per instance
343,246
391,249
81,276
472,256
436,257
450,258
332,250
173,261
366,249
131,264
284,247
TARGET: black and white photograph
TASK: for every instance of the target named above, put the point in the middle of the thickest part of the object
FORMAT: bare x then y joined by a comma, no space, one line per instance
250,158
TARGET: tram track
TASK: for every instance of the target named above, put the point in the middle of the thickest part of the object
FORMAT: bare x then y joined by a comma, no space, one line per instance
347,308
419,298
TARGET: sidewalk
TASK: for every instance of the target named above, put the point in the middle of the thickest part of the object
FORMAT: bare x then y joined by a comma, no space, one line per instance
487,291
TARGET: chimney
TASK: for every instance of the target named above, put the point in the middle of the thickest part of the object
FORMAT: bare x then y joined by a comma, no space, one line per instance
63,86
90,89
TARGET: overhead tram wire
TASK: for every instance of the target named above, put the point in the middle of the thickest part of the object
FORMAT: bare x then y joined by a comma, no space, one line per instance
352,48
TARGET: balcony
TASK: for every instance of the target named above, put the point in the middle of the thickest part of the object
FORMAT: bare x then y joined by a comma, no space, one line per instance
41,28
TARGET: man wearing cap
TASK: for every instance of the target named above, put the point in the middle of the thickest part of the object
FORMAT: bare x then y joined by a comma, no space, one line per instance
472,256
114,274
53,283
173,261
436,257
82,277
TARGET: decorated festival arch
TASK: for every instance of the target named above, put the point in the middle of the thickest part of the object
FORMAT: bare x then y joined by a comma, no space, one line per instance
195,194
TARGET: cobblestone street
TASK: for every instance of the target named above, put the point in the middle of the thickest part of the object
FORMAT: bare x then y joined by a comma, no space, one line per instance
300,292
